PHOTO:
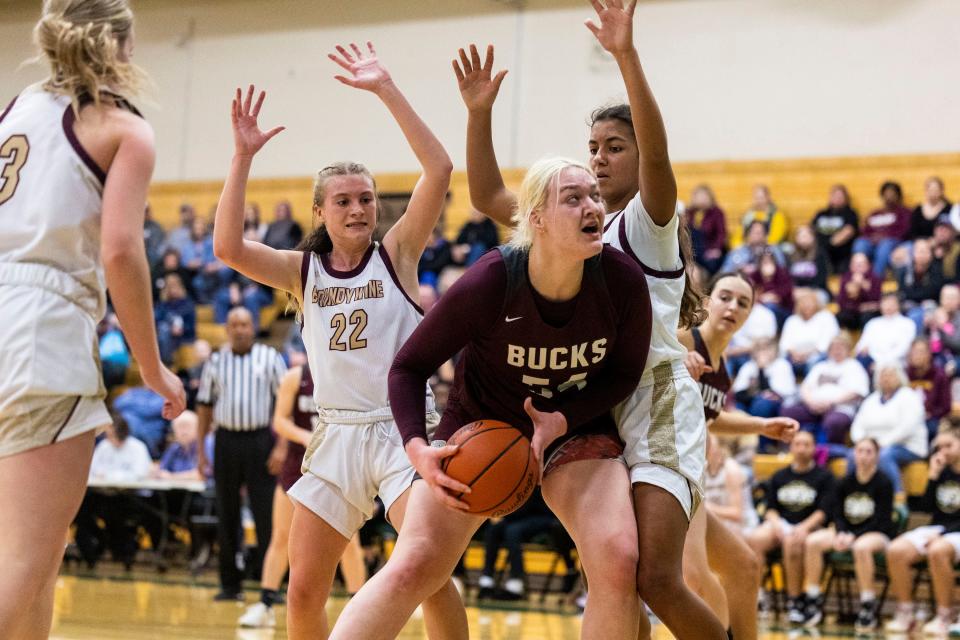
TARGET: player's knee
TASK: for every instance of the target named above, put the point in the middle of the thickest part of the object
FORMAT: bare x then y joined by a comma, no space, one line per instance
899,551
414,576
615,568
658,583
941,550
861,548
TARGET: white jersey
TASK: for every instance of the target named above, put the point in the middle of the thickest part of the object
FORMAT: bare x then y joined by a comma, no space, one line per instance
715,491
50,202
354,323
657,250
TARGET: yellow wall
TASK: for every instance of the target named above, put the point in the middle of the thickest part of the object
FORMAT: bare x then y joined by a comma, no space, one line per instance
799,186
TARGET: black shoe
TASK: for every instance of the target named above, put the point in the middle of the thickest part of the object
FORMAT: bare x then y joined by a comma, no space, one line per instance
505,594
485,593
228,596
867,618
814,611
796,610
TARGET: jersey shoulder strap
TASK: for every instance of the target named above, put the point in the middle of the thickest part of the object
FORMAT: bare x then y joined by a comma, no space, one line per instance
515,260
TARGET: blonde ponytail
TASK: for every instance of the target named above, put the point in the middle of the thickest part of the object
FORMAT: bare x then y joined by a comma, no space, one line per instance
82,40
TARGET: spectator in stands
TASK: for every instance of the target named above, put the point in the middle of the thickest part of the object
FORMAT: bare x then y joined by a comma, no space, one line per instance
179,237
859,296
799,499
197,258
807,333
477,236
170,263
727,490
708,229
938,542
935,207
252,223
836,227
863,525
436,257
118,458
746,257
808,264
894,416
764,211
886,337
763,383
945,248
284,232
884,229
114,354
142,410
773,285
153,237
830,395
920,282
510,532
929,379
237,290
176,317
180,459
943,327
761,325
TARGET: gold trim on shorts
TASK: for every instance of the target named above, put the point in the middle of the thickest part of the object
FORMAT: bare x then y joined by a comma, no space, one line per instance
662,435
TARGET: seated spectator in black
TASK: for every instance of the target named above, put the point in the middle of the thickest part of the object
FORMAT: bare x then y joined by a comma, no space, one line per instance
708,229
943,327
799,502
197,258
836,227
142,412
510,532
154,237
863,525
930,380
946,249
884,229
746,257
937,542
170,263
774,288
284,232
252,222
435,258
114,354
179,237
934,207
766,212
477,236
119,457
763,383
237,290
859,296
807,333
808,263
920,282
176,317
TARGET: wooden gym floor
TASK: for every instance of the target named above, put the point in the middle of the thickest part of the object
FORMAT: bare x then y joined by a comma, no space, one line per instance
139,609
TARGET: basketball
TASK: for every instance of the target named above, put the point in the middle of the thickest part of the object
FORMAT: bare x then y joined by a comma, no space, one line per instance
496,462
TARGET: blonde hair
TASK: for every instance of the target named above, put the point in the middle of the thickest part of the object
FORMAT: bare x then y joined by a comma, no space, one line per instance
533,195
82,39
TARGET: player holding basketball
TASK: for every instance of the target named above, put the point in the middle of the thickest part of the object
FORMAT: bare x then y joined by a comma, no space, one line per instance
546,348
357,302
75,164
662,422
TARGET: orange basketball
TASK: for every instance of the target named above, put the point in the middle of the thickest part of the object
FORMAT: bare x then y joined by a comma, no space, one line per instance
496,462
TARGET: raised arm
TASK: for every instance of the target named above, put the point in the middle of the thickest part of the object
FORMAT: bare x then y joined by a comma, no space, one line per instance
257,261
283,423
658,186
479,89
407,238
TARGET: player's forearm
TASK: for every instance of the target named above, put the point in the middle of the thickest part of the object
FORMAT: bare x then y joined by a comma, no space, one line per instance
204,420
488,193
228,228
431,155
128,279
287,430
736,423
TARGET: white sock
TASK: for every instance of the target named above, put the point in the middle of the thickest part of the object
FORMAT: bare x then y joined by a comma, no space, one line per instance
868,596
514,585
486,582
905,608
813,592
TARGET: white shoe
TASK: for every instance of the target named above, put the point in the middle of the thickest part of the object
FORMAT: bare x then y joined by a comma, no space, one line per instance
936,628
901,622
258,616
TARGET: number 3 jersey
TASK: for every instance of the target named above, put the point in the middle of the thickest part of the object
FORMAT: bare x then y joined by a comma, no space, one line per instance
579,356
354,322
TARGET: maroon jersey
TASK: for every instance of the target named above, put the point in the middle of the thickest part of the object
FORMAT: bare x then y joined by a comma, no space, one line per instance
304,416
579,357
713,385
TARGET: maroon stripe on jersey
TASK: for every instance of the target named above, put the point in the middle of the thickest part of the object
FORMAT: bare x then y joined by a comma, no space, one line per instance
69,117
663,275
396,280
612,220
346,275
304,274
9,107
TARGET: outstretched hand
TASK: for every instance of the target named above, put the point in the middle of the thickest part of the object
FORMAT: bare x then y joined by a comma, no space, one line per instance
477,87
365,70
248,139
615,32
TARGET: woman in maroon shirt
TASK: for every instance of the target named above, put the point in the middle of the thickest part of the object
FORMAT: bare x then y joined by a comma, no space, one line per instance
859,296
774,287
884,229
928,378
708,229
545,347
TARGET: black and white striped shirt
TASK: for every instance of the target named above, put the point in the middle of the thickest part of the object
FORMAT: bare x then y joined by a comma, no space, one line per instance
242,388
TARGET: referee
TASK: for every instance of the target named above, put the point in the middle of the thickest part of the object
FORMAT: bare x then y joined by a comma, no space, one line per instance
237,391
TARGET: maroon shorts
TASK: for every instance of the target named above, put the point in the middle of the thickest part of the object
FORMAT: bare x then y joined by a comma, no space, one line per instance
599,445
290,471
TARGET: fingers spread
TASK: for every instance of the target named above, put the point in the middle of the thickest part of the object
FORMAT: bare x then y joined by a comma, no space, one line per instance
346,54
256,107
457,72
467,67
340,61
356,50
488,63
373,52
475,57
